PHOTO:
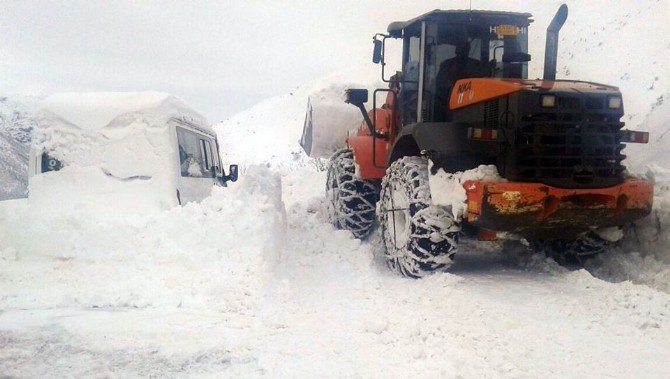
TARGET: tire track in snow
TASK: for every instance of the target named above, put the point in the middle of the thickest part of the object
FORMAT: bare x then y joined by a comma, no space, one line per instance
335,310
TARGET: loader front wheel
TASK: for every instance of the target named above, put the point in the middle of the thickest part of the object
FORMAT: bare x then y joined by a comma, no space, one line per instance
351,200
419,237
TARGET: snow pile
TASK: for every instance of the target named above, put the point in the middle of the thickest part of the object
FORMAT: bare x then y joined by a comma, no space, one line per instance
329,121
651,235
211,255
447,189
654,156
269,133
95,191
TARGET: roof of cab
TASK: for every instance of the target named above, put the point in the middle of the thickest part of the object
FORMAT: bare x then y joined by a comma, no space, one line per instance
462,16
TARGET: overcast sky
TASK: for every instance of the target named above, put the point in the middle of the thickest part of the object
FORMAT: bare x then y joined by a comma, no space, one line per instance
219,56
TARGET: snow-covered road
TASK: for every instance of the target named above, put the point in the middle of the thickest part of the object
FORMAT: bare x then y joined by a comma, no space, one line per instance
326,307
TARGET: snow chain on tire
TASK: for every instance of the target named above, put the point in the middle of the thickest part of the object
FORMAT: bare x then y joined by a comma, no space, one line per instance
351,200
418,237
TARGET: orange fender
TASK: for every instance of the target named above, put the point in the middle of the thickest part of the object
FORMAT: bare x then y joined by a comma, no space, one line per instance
362,148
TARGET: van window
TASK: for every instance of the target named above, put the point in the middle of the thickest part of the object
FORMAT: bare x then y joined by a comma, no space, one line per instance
215,156
207,155
191,157
210,158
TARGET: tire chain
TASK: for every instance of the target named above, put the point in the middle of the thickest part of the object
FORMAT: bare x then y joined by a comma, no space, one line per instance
352,201
434,233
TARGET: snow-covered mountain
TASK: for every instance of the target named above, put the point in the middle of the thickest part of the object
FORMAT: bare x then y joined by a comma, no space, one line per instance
16,126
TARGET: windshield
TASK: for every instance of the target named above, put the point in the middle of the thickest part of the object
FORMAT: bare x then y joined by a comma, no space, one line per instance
508,46
460,51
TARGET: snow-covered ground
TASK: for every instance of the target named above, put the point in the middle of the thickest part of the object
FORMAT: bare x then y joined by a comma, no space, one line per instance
254,281
236,287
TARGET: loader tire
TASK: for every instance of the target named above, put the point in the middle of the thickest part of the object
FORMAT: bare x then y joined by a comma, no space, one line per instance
351,200
418,236
572,252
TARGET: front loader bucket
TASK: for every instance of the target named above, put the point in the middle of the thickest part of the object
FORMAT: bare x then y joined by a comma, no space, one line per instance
328,122
538,210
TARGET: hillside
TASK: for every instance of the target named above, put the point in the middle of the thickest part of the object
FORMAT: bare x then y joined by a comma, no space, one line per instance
16,125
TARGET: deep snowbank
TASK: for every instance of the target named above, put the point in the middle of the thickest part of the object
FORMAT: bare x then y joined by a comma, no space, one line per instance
213,255
119,150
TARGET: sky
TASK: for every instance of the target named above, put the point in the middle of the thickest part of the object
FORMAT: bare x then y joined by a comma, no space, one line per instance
221,57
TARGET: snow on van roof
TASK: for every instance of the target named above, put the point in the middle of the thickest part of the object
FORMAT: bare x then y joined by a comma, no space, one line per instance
96,110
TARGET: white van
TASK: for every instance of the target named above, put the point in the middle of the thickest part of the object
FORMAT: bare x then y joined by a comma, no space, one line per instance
125,147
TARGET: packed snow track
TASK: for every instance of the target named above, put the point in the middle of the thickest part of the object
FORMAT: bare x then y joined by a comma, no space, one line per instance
256,282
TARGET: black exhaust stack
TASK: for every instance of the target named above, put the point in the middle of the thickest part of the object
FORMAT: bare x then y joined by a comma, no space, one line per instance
551,49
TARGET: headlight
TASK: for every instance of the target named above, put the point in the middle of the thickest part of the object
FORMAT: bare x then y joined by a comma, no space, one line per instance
548,101
614,102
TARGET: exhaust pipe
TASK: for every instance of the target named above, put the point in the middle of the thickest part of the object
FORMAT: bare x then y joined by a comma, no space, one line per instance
551,49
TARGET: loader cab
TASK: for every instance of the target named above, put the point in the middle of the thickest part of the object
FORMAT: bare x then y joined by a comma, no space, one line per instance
441,47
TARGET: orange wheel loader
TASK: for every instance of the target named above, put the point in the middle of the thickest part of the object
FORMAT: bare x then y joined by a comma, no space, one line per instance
463,100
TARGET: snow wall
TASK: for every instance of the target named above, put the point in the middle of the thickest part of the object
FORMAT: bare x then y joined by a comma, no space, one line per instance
212,254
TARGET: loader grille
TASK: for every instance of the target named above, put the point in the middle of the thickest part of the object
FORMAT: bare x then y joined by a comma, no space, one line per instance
571,149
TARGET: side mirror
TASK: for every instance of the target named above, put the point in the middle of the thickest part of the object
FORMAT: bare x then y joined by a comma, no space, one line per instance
232,173
232,176
515,57
356,96
377,51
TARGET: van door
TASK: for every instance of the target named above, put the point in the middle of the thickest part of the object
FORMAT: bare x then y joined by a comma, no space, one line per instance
196,161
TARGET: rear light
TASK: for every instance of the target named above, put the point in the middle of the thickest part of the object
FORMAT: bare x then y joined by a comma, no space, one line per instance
634,137
548,101
483,134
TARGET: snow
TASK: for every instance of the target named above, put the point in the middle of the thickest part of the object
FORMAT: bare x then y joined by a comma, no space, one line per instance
118,148
254,281
95,110
186,256
447,188
269,133
192,292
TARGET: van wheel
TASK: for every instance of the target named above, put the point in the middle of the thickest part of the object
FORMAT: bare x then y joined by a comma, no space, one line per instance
351,200
419,237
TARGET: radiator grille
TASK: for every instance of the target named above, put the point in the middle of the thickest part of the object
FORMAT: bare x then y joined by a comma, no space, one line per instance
570,151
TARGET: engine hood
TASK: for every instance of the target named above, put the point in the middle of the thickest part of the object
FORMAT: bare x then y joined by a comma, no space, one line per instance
467,92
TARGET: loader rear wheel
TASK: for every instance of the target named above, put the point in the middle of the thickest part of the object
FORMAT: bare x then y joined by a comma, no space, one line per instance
351,200
572,252
419,237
